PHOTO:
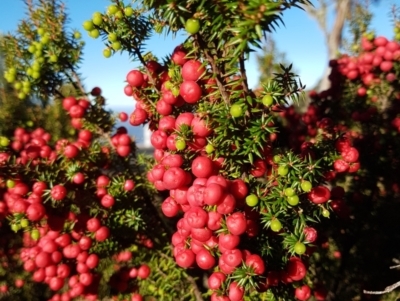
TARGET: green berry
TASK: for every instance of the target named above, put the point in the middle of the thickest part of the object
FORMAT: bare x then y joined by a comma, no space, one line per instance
119,15
35,74
175,90
88,25
45,39
192,26
293,200
35,234
209,148
299,248
32,49
26,90
267,100
97,18
15,227
283,170
107,53
275,225
112,37
17,86
276,159
94,33
252,200
53,58
12,71
24,223
128,11
236,110
112,9
4,142
289,191
326,213
116,45
180,144
40,31
21,95
306,186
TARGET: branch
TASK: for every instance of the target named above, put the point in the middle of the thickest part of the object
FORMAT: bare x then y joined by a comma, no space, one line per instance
31,12
319,15
335,36
196,290
139,54
214,67
243,74
387,289
77,82
397,264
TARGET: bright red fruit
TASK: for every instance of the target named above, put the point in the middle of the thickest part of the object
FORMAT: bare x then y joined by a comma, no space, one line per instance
232,258
200,127
215,280
236,223
35,212
235,292
311,234
185,258
192,70
196,217
102,233
92,261
174,177
58,192
170,207
56,283
107,201
43,259
319,195
213,194
239,189
68,102
78,178
138,117
135,78
71,251
256,262
190,91
205,260
202,167
228,241
179,55
303,292
296,269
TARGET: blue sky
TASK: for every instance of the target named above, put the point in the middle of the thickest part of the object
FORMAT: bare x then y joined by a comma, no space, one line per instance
300,38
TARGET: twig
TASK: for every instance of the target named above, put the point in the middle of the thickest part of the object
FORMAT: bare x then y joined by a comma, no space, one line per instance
397,264
139,55
215,69
77,83
31,12
387,289
243,74
196,290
